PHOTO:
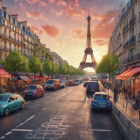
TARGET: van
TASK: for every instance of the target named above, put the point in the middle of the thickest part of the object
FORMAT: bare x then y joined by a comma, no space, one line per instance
53,84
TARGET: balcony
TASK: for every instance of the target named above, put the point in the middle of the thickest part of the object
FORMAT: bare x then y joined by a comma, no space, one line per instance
132,21
125,28
132,40
5,48
125,45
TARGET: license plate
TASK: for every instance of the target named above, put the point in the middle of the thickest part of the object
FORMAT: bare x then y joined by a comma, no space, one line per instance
102,103
92,90
102,106
29,94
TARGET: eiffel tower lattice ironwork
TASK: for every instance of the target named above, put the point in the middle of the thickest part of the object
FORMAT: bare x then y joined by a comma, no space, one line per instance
88,50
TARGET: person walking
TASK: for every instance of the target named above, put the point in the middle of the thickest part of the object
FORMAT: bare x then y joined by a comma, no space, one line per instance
115,93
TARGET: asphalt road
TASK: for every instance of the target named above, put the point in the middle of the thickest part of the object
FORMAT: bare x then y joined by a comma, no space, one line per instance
64,114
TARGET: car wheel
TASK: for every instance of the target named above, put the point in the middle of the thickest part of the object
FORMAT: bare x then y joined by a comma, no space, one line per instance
22,106
6,111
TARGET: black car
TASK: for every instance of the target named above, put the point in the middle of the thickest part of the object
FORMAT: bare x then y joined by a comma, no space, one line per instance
92,87
85,83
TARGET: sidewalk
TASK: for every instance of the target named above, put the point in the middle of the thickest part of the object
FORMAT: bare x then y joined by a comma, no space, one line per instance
126,106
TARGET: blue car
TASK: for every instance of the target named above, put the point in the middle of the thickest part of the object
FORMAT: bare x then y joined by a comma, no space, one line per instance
10,102
101,101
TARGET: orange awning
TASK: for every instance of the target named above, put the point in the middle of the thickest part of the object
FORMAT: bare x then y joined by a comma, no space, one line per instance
120,77
130,73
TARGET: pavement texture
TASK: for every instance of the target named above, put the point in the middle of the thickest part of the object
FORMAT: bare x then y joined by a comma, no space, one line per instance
64,114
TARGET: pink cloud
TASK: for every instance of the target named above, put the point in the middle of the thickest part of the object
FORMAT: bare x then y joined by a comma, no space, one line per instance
51,30
33,28
58,2
34,15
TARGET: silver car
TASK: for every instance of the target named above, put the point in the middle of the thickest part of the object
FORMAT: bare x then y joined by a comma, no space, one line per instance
76,82
62,84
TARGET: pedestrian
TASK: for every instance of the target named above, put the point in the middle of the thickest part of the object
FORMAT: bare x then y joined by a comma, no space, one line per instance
138,102
12,89
115,93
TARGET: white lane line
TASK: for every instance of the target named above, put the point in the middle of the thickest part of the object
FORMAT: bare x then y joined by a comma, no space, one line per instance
22,130
28,103
25,121
19,114
8,133
2,137
44,109
99,130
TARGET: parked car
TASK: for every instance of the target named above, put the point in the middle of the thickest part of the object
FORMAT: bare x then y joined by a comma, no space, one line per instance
85,78
43,85
70,83
33,91
62,84
92,87
101,101
10,102
53,84
76,82
81,81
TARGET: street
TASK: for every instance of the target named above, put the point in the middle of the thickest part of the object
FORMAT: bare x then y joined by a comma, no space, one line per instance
63,114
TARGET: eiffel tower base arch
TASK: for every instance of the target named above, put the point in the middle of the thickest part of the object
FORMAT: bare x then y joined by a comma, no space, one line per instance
85,65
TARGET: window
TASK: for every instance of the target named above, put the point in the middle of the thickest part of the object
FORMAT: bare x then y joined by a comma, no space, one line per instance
13,21
9,33
15,36
4,14
5,44
18,38
23,28
9,17
18,48
10,46
15,47
5,31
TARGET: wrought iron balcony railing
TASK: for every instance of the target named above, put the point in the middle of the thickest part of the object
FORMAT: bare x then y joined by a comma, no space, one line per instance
132,21
132,40
125,45
125,28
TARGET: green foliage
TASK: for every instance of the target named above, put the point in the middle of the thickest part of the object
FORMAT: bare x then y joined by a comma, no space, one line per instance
109,63
16,62
48,54
55,69
47,67
35,65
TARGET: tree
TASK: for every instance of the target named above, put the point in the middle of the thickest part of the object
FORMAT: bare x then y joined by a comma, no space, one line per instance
35,65
16,62
47,67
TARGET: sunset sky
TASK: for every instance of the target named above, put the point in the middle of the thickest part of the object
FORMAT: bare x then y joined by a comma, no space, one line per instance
62,24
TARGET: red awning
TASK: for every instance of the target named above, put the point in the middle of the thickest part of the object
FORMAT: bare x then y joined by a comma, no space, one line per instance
24,77
38,77
120,77
4,74
129,73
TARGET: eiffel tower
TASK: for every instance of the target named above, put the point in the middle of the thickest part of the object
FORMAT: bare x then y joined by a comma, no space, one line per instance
88,50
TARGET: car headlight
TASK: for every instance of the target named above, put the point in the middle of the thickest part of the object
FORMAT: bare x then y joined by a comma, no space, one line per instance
0,106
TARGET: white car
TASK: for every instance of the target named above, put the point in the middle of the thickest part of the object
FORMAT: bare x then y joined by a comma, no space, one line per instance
76,82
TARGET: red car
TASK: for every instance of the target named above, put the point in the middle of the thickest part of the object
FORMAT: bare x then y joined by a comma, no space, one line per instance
33,91
70,83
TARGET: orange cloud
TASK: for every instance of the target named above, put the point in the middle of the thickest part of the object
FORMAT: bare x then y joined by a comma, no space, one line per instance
34,15
101,42
51,30
33,28
41,3
58,2
61,41
105,27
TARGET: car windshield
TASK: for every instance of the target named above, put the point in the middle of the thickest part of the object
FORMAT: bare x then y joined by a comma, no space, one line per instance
76,81
4,98
32,87
101,97
50,82
93,84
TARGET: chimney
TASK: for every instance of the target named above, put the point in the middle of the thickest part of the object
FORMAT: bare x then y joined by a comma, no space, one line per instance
28,28
15,16
4,8
24,23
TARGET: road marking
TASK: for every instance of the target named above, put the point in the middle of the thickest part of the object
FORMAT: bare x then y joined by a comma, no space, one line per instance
44,109
98,130
22,130
25,121
8,133
2,137
19,114
28,103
